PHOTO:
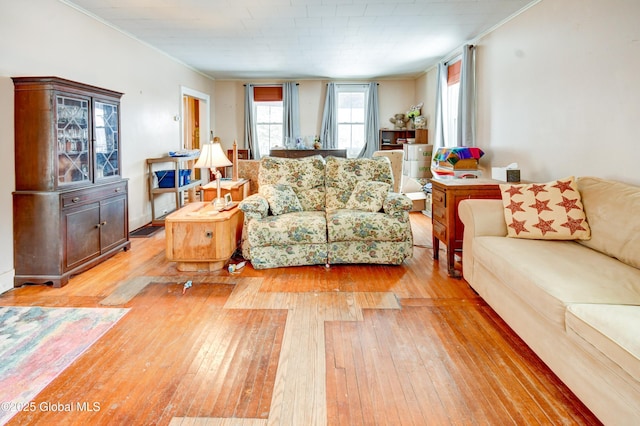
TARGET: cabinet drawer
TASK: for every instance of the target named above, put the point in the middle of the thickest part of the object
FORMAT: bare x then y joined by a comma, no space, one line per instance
439,213
439,231
82,196
437,197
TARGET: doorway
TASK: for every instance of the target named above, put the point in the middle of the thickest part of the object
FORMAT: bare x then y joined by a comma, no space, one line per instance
195,120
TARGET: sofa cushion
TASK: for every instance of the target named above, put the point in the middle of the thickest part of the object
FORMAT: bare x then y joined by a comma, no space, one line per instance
612,211
611,330
351,225
368,196
304,175
291,228
281,198
549,275
548,211
342,175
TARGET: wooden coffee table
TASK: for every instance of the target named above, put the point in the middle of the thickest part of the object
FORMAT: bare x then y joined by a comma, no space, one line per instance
201,239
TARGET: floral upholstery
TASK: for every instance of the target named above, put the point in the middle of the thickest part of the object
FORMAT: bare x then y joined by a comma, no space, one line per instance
368,196
304,175
281,198
325,231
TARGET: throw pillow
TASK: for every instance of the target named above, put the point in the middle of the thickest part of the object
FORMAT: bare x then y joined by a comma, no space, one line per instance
368,196
547,211
281,198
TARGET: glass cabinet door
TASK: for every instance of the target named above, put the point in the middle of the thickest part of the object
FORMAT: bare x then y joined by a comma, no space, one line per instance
72,121
106,139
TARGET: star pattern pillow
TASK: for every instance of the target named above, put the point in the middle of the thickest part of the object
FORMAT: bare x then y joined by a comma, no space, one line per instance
368,196
547,211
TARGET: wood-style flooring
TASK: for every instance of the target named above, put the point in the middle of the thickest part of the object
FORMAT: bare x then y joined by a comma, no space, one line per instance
345,345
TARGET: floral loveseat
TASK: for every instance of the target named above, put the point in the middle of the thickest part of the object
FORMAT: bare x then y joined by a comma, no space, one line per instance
325,211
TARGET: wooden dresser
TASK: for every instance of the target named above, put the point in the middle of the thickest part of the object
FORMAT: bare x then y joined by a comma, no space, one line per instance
447,227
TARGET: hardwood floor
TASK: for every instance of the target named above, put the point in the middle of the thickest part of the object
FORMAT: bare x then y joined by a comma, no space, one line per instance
346,345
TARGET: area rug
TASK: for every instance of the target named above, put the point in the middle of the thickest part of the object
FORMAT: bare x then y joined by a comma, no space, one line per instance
146,231
37,344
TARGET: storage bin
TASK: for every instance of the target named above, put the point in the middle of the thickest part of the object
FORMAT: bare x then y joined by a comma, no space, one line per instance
418,152
167,178
417,169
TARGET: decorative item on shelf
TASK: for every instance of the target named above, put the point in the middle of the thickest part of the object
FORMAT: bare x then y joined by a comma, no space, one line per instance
399,121
316,142
414,111
420,122
212,157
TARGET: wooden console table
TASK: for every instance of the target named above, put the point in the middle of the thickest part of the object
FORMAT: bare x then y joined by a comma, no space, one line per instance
199,239
299,153
447,226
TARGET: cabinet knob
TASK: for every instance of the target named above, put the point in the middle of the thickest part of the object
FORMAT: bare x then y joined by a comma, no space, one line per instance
75,199
103,223
118,189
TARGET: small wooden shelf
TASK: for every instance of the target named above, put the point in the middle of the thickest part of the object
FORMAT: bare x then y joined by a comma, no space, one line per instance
177,163
389,138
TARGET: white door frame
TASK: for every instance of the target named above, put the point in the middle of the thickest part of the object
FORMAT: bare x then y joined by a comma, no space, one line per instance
205,119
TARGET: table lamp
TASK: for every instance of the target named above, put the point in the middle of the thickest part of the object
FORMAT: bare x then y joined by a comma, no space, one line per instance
212,157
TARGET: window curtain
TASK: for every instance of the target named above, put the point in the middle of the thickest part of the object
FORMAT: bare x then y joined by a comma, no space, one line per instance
250,133
329,127
441,91
291,110
467,98
371,122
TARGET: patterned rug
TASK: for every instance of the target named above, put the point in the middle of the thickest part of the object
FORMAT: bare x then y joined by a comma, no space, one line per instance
37,344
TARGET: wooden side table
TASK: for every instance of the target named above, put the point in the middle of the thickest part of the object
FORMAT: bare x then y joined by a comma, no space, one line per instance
199,239
447,226
239,189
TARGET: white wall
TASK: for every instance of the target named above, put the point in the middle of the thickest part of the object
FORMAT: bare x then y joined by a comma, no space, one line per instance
559,90
47,37
394,96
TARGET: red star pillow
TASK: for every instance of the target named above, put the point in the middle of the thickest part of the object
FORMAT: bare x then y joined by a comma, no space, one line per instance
547,211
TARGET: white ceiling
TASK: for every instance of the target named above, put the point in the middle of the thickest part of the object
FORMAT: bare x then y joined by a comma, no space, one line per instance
287,39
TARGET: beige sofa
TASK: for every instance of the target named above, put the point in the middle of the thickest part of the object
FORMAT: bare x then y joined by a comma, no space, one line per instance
575,303
314,211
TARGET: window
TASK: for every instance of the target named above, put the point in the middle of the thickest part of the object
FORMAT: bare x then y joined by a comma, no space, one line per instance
451,109
351,113
268,111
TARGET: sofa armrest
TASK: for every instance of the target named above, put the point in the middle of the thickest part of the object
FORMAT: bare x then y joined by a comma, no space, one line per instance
483,217
396,204
480,218
254,207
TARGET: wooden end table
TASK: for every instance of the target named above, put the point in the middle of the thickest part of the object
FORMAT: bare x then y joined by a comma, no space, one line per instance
447,226
199,239
239,189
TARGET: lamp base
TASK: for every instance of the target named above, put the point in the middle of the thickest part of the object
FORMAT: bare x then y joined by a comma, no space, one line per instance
219,203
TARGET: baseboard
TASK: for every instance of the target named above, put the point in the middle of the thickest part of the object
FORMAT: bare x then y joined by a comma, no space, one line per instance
6,280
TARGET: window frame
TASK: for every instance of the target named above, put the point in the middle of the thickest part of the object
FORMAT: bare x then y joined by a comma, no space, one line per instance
265,148
341,89
451,102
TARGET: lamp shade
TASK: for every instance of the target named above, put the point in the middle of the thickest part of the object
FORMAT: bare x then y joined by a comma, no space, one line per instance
211,156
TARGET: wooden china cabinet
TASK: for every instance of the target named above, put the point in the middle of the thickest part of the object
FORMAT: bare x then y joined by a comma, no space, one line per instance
70,207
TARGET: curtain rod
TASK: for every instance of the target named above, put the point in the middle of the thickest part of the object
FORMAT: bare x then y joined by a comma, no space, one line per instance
352,84
269,85
457,54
